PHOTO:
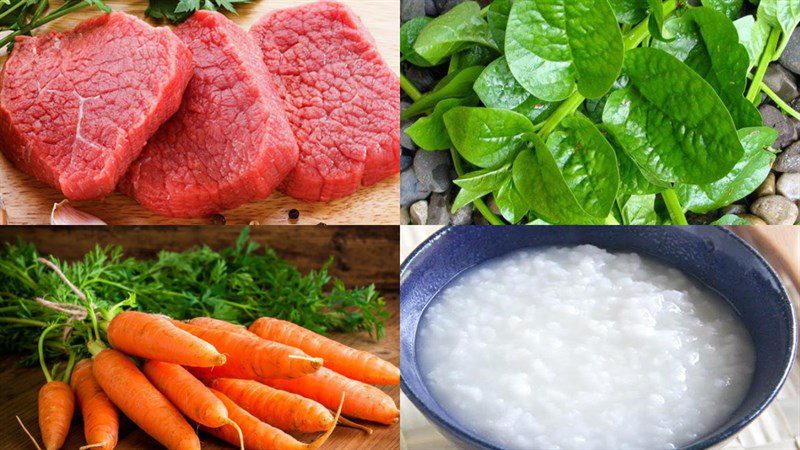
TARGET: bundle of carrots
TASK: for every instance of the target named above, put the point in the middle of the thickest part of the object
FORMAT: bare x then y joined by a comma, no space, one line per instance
249,387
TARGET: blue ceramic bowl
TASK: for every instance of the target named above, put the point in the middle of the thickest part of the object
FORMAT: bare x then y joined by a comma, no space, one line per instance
714,256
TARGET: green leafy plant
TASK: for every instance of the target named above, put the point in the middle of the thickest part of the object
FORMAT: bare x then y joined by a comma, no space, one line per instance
237,284
599,111
20,17
177,11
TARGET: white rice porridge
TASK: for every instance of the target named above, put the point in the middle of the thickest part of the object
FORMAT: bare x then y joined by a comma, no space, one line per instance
579,348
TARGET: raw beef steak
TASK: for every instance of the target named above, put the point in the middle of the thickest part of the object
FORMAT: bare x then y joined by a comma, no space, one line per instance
77,108
341,98
229,143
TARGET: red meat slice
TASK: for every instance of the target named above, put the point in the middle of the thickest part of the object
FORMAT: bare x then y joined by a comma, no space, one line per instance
76,108
340,97
229,143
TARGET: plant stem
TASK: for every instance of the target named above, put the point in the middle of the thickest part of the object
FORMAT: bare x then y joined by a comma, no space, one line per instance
779,101
633,38
68,370
53,16
564,109
766,58
23,322
674,207
413,93
41,352
479,204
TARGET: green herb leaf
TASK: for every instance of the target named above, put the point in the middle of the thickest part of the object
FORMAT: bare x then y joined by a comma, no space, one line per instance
408,35
552,46
497,87
487,137
783,14
452,32
464,198
753,34
643,210
429,132
745,177
497,16
510,202
671,122
484,180
455,85
730,219
731,8
629,12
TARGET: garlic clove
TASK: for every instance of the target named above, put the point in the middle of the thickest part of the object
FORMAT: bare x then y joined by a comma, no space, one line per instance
65,214
3,213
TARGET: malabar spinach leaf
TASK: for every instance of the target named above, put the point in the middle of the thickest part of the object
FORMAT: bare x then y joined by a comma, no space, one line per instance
487,137
753,34
731,8
510,202
497,16
408,35
484,180
554,46
783,14
745,177
497,87
730,219
671,122
429,132
629,12
452,32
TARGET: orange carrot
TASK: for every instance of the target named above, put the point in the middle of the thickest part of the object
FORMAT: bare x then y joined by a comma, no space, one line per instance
155,337
100,416
209,322
130,390
253,357
188,394
284,410
362,400
257,434
354,364
56,407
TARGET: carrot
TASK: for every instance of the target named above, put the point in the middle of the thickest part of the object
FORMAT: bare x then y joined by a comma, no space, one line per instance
354,364
155,337
363,401
284,410
130,390
56,407
253,357
100,416
188,394
257,434
209,322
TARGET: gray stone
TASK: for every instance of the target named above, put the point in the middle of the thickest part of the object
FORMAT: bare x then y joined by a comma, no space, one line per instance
422,78
406,159
446,5
439,209
734,208
775,210
405,216
405,140
403,105
754,220
430,8
790,58
433,169
767,187
411,189
789,159
463,216
775,119
788,185
781,81
492,204
410,9
419,212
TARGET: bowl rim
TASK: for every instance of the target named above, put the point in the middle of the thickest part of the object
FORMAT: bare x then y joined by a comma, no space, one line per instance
707,442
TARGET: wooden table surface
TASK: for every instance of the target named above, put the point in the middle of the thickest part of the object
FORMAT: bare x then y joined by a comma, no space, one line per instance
29,201
306,247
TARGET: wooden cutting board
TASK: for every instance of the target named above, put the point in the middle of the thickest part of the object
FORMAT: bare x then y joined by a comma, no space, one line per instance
29,201
362,255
